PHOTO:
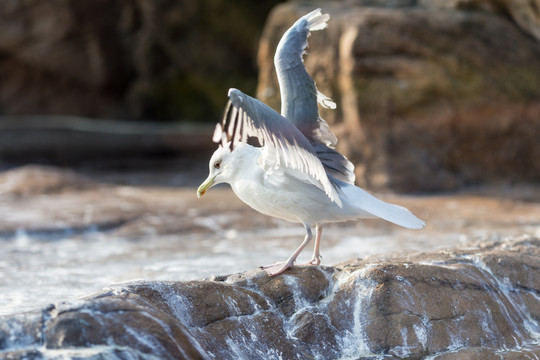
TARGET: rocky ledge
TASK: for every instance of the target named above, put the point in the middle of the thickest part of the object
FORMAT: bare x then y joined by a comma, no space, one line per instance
482,301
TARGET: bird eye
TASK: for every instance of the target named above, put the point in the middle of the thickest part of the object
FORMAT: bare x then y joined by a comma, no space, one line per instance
217,164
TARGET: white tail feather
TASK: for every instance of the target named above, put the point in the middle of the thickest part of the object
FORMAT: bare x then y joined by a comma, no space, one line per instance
363,202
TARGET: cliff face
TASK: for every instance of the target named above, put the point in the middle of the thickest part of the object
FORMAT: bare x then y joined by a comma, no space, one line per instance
431,94
480,301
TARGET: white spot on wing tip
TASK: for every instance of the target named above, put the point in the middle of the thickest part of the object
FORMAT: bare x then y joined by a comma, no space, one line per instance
325,101
329,104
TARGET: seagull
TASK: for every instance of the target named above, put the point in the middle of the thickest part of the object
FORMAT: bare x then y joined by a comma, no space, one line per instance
285,165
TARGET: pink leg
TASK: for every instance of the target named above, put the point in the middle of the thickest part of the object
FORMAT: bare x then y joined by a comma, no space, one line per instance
316,259
280,267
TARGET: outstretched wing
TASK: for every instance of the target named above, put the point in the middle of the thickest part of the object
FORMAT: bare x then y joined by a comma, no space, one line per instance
246,119
299,95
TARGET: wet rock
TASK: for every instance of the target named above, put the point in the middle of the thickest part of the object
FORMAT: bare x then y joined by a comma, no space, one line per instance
478,301
46,202
428,98
122,325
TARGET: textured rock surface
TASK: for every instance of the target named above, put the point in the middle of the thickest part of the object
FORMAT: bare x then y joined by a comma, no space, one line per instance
126,59
480,301
429,96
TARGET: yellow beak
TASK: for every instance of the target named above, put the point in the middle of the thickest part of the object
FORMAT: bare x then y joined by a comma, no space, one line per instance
207,184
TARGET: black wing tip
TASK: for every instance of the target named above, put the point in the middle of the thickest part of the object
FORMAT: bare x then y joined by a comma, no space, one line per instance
231,118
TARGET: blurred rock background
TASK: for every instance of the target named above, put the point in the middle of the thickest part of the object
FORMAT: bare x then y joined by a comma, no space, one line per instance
131,60
431,94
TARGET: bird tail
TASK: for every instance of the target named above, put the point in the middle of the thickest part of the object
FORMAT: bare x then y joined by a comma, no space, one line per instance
363,202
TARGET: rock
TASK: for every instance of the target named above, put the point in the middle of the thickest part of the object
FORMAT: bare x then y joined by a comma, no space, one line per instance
428,95
47,202
39,179
126,59
478,301
524,13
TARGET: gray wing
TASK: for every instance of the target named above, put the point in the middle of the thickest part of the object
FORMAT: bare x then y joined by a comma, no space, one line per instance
335,164
246,119
299,95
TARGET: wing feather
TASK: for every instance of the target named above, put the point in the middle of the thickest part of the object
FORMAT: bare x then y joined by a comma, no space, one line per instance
335,164
299,95
246,117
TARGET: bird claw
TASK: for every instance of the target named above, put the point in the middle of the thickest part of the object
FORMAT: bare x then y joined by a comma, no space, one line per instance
314,261
277,268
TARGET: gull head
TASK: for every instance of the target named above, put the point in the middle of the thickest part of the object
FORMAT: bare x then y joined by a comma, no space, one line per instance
220,169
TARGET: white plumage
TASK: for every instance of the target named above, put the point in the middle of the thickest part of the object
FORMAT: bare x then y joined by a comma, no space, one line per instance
286,165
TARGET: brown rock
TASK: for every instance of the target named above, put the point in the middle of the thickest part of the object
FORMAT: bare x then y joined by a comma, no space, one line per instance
35,179
121,326
428,95
524,13
459,304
